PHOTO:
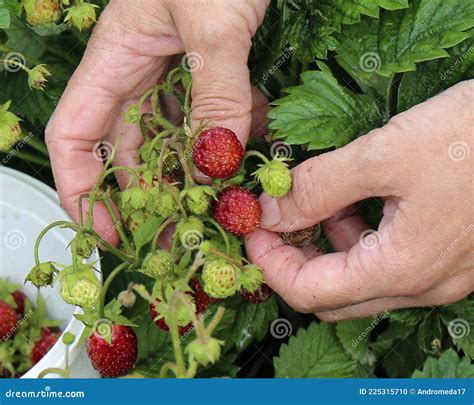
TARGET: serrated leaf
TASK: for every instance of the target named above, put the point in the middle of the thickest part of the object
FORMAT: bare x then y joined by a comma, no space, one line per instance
411,316
355,334
322,113
461,327
385,340
449,365
432,77
314,353
350,11
400,39
22,39
429,332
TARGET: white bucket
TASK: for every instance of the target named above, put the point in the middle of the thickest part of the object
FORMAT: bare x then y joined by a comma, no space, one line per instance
27,206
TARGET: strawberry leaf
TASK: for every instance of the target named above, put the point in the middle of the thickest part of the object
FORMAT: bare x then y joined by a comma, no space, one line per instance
400,39
314,353
449,365
322,113
432,77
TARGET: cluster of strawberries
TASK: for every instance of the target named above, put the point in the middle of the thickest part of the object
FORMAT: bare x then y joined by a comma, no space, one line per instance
26,335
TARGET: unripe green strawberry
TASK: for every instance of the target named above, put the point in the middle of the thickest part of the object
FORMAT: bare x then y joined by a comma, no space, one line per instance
162,202
10,131
135,220
158,264
86,244
81,15
252,278
80,287
42,275
221,279
37,77
198,199
275,178
134,198
40,12
205,351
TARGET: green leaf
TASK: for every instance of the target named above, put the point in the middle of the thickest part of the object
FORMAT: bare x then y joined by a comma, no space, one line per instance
404,357
430,334
22,39
385,340
251,322
349,11
400,39
322,113
432,77
411,316
461,327
355,335
449,365
4,18
314,353
146,232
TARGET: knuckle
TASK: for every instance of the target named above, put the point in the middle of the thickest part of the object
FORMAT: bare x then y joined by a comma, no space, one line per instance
329,316
305,190
214,107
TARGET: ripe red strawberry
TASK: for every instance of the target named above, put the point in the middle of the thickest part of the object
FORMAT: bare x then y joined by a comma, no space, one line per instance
217,152
41,347
118,357
8,320
237,210
161,323
260,295
19,298
202,299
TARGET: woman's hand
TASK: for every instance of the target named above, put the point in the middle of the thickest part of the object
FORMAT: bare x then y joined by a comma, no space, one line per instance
422,253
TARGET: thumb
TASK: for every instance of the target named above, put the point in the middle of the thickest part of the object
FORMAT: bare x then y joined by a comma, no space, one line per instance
325,184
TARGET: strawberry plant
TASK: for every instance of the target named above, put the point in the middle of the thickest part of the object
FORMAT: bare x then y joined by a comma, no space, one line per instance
179,293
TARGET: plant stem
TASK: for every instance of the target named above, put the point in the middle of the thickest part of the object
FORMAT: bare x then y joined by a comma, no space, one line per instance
36,144
189,181
256,154
31,158
106,286
215,321
223,234
63,224
191,373
168,366
178,350
118,224
163,226
59,371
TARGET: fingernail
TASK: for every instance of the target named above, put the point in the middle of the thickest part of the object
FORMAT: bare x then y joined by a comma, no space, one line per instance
271,214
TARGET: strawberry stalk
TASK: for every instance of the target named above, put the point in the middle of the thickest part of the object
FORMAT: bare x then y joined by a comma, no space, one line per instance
222,233
117,223
106,286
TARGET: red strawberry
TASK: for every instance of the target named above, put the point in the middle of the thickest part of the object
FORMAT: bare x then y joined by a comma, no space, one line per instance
118,357
237,210
260,295
19,298
43,346
217,152
200,296
8,320
161,323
